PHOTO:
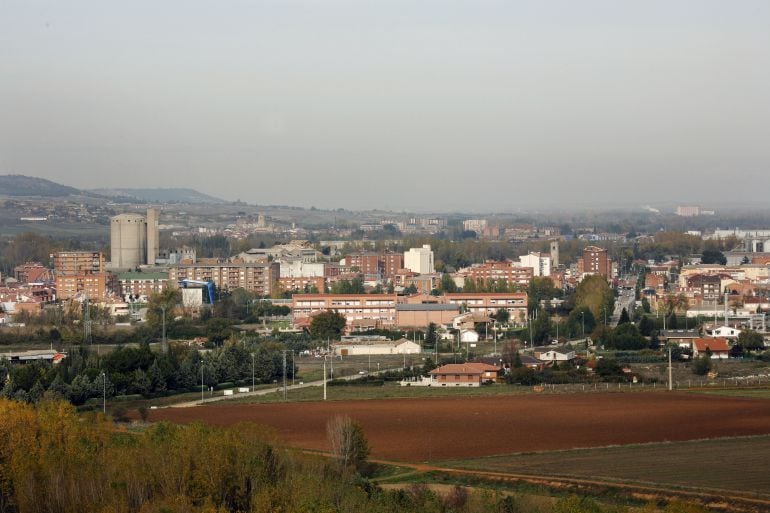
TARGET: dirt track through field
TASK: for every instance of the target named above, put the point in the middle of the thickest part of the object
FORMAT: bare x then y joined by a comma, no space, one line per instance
453,428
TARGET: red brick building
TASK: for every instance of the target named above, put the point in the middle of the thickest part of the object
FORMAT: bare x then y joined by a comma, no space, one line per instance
376,266
596,261
491,270
32,272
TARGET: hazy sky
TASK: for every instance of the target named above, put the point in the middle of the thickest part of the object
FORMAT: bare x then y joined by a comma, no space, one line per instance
403,104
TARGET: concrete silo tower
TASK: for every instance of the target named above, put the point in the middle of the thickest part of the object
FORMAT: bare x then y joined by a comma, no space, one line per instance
152,236
128,241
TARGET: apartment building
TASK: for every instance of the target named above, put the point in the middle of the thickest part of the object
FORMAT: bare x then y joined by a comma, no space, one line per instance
81,273
539,262
257,277
492,270
94,286
143,284
419,260
488,303
368,264
370,310
596,261
77,262
376,266
302,283
32,272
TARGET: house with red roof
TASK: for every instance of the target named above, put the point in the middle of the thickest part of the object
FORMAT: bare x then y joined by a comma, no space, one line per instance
719,348
464,374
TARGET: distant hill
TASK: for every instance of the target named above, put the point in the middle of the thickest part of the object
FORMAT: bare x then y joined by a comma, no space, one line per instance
20,185
168,195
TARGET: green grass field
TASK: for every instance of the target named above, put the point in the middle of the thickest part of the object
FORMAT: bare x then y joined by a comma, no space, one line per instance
756,393
734,464
373,392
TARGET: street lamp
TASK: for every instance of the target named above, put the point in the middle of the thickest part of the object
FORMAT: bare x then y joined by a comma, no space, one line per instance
201,379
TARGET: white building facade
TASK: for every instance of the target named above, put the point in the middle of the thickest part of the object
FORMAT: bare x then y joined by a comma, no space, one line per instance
540,263
419,260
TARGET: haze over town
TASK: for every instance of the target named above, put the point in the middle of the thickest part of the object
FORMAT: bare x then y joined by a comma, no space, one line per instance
393,104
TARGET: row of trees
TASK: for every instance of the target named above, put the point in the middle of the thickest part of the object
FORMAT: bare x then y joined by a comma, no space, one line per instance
138,370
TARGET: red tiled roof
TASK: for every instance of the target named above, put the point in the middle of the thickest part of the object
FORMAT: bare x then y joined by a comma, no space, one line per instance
712,344
465,368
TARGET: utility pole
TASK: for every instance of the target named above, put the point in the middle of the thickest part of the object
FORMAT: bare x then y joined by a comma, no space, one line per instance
87,322
324,377
293,368
104,392
252,372
284,373
670,384
163,348
201,379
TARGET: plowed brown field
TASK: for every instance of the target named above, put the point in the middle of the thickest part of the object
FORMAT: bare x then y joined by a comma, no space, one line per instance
455,428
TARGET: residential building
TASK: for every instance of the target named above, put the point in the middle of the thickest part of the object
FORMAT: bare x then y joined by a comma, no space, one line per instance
32,272
258,278
419,260
377,310
77,262
423,283
368,264
725,332
391,263
688,211
506,271
421,315
539,262
488,303
465,374
94,286
718,347
302,283
554,354
474,225
596,261
402,346
298,268
142,284
705,287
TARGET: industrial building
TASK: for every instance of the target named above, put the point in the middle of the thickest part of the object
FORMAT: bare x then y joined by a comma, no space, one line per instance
134,240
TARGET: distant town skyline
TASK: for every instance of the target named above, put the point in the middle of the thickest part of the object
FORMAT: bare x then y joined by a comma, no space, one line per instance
419,106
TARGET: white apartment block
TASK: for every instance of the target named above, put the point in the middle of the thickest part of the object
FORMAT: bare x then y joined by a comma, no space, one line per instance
474,225
540,263
419,260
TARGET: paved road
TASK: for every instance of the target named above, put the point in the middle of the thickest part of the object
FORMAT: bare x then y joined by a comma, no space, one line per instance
626,300
263,391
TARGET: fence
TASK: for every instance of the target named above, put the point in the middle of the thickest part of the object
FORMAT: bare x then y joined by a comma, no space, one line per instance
757,380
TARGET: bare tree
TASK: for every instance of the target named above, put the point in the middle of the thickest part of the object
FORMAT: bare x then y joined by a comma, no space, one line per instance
348,443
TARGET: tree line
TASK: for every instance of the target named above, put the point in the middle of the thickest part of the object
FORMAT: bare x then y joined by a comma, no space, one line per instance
84,374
